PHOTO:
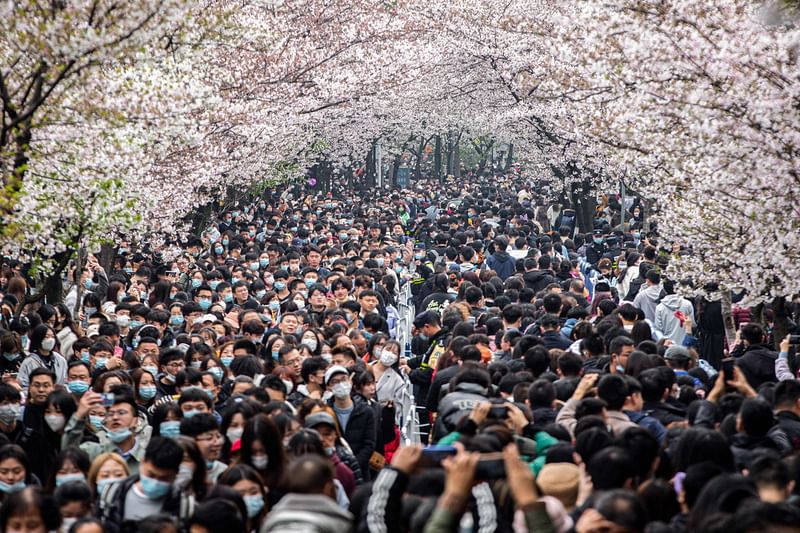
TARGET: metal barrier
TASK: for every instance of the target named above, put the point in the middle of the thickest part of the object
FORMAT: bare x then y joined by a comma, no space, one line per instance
409,421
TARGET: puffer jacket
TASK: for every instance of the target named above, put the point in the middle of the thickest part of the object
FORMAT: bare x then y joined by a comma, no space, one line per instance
455,405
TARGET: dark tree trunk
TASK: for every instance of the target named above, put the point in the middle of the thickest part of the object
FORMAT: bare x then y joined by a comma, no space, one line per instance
509,158
371,174
437,158
418,162
780,322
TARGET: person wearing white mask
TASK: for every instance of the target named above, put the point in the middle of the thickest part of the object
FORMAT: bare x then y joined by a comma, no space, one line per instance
356,418
43,354
390,383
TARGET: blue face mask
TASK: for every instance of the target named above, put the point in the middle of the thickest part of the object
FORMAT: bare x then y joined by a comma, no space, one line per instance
153,488
274,306
280,285
217,372
152,369
254,267
213,284
10,356
119,436
78,386
85,357
88,284
275,355
263,262
136,324
66,478
147,392
196,283
170,428
96,422
205,304
176,320
226,360
228,298
100,362
191,413
254,505
10,489
260,294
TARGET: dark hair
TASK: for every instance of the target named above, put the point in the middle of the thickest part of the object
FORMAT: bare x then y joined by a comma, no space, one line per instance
756,416
218,516
613,390
642,447
239,472
623,508
698,445
42,371
198,424
752,333
541,393
13,451
262,428
722,495
28,501
592,440
309,474
610,468
164,453
304,442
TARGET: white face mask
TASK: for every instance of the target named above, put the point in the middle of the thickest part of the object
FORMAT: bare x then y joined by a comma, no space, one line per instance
342,390
300,304
388,358
260,462
55,422
311,342
234,434
48,344
289,386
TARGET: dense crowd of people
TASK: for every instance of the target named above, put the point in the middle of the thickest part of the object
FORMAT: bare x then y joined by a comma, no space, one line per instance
250,378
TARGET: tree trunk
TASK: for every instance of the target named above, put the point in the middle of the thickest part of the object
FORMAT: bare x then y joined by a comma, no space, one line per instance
780,321
509,158
727,318
457,157
371,175
437,158
395,166
418,163
584,205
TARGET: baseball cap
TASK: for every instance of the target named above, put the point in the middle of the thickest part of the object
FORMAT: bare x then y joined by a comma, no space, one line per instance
425,318
316,419
332,371
677,353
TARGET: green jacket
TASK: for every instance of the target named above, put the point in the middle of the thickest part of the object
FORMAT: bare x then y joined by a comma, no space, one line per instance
73,434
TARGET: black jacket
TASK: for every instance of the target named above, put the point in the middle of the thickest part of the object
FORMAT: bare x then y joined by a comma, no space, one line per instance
360,433
790,424
422,367
554,339
441,379
757,363
664,412
537,280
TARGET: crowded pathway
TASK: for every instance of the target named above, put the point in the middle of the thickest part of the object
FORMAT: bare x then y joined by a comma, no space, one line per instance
438,358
